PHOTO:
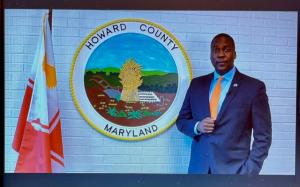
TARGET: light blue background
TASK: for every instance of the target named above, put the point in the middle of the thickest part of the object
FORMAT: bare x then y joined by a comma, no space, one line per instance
146,51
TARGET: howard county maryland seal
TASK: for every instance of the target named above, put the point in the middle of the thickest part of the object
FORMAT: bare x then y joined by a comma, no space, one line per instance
129,78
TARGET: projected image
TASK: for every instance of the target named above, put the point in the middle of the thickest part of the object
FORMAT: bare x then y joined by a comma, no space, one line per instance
131,82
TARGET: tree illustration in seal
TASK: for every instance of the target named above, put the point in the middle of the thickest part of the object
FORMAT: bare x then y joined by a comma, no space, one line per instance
130,75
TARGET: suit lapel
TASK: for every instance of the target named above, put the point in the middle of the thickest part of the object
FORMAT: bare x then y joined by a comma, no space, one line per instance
206,87
230,94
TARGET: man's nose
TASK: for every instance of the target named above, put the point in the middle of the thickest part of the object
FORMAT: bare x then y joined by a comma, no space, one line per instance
220,53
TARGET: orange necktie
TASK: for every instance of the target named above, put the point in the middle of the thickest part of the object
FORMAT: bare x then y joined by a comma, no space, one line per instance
214,100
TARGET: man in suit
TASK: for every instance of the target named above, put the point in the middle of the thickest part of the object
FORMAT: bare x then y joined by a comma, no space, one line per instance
219,112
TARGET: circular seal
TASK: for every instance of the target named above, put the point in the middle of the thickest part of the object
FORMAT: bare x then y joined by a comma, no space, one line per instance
129,78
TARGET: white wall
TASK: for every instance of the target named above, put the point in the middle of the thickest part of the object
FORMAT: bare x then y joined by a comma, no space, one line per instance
266,49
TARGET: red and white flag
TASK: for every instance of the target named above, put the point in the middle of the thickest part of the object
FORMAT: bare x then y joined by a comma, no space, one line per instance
38,136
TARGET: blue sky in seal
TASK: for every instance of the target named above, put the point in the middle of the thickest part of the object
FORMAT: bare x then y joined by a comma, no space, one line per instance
146,51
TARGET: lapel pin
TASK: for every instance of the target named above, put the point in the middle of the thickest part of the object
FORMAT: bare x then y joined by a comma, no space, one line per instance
235,85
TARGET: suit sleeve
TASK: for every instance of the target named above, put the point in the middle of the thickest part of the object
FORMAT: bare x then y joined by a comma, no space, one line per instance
262,133
185,121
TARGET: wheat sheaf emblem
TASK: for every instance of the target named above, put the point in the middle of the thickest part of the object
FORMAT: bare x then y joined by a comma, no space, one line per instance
130,78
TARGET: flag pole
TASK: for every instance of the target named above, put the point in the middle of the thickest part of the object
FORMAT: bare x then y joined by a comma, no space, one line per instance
50,18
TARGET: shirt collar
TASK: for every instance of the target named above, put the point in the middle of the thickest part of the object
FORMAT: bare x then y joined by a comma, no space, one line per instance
227,76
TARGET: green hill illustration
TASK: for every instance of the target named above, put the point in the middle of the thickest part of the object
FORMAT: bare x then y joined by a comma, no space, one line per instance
157,81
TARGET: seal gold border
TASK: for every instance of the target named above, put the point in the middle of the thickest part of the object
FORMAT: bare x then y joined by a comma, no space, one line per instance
91,123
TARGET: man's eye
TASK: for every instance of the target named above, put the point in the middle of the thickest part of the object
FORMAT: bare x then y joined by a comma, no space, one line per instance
227,50
216,50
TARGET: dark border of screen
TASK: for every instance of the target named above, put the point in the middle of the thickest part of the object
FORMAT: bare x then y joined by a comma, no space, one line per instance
163,180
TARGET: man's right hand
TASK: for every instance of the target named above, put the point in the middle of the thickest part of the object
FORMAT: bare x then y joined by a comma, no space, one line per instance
207,125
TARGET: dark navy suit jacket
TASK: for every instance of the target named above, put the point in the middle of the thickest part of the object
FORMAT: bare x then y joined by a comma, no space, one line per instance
227,150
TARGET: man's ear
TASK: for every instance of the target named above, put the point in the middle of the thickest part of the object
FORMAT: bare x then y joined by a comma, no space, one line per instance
234,54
